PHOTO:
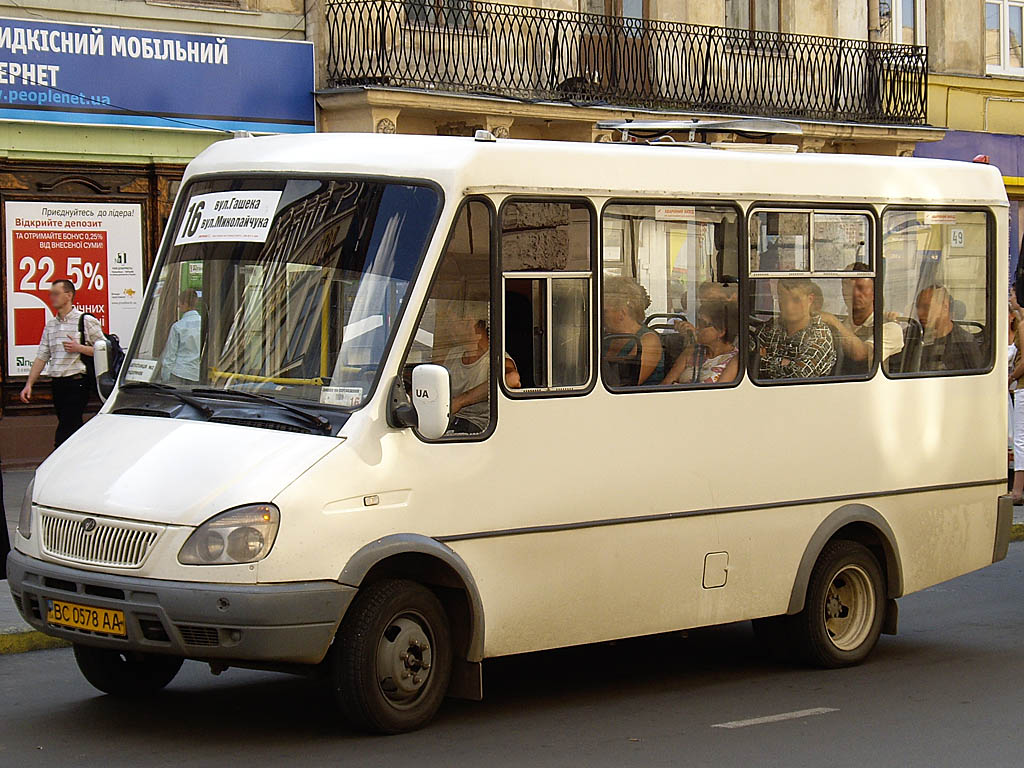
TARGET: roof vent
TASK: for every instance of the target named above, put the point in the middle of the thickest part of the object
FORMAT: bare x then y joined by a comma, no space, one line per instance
484,135
655,131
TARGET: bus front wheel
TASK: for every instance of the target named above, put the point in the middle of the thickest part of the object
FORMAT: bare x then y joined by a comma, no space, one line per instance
844,608
392,657
125,673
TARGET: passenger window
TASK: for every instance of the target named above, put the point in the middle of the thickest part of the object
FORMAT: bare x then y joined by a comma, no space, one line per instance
936,288
546,257
670,299
812,314
454,330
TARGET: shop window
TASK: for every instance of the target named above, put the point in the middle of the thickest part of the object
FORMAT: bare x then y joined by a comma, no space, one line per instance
937,289
547,278
669,296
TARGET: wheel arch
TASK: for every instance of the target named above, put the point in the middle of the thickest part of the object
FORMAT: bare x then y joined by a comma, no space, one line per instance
432,563
856,522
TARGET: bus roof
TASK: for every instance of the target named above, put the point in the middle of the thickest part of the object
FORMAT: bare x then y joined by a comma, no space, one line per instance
464,164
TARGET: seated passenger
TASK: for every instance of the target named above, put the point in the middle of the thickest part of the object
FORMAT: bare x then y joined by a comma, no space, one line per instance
714,358
630,361
469,367
797,344
945,346
857,332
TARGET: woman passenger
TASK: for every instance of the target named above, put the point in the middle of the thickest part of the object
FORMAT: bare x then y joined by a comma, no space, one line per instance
714,334
637,360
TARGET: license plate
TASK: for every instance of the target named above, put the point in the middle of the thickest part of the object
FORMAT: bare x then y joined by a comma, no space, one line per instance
104,620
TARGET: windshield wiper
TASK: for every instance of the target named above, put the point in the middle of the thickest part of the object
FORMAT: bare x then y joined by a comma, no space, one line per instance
318,422
169,390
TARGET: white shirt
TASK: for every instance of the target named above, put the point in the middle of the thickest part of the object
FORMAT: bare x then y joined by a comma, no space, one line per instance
892,335
59,362
181,354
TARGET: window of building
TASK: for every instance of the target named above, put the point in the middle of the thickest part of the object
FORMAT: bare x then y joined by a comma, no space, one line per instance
669,295
937,289
1004,31
454,329
547,285
812,296
753,15
902,21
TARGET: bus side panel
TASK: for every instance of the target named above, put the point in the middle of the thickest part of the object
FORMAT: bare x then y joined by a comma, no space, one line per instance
942,534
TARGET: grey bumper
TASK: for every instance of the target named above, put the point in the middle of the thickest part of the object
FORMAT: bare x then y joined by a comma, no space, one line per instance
268,623
1004,521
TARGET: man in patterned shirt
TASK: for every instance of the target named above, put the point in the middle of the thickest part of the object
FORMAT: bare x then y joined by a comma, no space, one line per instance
60,353
797,345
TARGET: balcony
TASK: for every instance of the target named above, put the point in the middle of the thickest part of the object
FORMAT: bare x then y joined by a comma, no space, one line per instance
540,55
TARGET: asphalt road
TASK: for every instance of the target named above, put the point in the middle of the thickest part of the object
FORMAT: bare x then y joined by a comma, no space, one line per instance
947,691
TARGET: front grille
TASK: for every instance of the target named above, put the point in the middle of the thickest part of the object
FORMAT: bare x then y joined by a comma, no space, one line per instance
117,543
204,636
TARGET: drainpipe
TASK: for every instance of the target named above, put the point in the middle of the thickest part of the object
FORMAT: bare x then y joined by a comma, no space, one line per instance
874,21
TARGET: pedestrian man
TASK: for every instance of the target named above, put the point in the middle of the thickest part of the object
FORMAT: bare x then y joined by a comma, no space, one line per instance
60,353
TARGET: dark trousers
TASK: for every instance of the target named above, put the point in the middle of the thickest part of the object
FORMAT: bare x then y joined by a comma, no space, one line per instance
5,543
70,395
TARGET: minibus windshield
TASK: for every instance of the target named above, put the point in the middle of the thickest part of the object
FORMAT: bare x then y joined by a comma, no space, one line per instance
283,287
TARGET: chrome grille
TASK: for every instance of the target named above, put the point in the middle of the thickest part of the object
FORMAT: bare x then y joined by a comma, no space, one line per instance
117,543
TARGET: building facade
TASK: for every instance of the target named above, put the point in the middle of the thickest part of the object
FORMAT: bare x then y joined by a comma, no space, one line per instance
976,90
852,72
129,160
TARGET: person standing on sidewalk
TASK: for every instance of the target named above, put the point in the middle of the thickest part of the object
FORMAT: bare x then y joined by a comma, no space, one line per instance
60,352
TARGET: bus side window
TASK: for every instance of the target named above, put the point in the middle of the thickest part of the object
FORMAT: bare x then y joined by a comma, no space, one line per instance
546,255
936,288
454,329
670,296
812,289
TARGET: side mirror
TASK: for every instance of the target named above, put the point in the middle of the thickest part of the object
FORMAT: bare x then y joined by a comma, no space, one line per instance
101,365
432,399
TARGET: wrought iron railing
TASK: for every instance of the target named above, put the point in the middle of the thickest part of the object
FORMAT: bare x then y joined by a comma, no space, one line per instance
545,55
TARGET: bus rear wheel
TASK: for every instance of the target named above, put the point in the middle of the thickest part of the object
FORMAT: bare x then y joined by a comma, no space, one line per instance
392,657
844,608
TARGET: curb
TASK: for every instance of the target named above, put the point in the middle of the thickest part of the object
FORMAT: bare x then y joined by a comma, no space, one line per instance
1017,532
30,640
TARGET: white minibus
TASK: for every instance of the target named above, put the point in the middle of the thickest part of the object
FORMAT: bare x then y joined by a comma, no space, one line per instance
399,404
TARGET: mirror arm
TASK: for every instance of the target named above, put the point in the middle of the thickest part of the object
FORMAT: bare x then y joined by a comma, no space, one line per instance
401,413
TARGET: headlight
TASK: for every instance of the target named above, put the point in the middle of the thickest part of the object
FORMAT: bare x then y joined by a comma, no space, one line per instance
241,535
25,518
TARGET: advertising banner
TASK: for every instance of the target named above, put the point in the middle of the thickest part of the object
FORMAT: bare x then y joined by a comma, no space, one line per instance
75,73
97,246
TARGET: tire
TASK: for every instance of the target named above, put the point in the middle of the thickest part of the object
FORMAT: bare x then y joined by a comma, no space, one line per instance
844,608
126,673
392,657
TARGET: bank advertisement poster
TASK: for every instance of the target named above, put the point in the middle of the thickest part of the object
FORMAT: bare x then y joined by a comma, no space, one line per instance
98,247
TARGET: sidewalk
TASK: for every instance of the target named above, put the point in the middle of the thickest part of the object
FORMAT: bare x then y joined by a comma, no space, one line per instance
15,635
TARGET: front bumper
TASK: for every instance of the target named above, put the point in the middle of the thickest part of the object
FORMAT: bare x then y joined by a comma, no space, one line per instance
268,623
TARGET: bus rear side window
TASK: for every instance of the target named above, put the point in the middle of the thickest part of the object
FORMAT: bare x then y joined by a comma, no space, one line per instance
936,288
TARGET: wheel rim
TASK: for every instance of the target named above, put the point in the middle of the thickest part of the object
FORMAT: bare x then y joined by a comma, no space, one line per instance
405,659
849,608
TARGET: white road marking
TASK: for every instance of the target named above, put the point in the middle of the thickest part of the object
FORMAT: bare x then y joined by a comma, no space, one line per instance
776,718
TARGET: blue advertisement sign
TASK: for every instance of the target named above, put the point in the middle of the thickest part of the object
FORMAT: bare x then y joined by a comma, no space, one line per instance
77,73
